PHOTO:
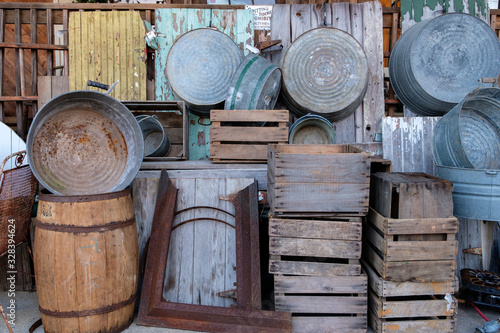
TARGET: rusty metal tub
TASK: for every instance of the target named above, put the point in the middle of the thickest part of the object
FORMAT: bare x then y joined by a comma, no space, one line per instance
84,142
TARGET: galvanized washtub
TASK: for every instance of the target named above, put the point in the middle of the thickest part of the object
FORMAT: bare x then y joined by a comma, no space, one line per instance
312,129
325,72
436,62
84,142
255,85
469,135
476,192
156,141
200,65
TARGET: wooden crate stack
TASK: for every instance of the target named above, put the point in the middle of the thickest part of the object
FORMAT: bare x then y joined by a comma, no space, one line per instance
317,196
409,253
242,136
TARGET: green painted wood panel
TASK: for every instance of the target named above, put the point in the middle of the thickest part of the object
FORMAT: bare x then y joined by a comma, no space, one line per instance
172,23
107,47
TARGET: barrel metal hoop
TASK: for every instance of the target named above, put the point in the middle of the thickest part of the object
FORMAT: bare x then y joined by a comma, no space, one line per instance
86,313
83,198
84,230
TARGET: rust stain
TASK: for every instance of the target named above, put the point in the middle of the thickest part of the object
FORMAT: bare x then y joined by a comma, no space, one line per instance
201,138
393,327
386,312
199,13
174,22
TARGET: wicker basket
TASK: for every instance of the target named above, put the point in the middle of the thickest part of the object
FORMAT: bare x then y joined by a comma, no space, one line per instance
18,187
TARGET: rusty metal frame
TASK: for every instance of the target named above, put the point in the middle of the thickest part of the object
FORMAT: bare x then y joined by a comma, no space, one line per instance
247,315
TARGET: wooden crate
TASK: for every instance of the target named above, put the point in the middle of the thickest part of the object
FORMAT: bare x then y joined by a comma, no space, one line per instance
339,238
412,325
411,195
317,180
242,136
174,118
323,303
411,249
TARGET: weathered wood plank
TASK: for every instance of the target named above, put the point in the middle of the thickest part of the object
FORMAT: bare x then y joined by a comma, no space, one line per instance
322,304
384,288
313,268
411,250
315,229
243,152
315,247
250,115
112,43
447,325
251,134
329,324
320,284
401,271
432,307
413,226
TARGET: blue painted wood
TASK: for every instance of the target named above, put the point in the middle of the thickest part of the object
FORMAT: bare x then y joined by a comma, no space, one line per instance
172,23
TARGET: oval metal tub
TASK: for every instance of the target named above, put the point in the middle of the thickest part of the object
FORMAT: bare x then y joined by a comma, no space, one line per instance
476,193
325,72
469,135
199,69
436,62
312,129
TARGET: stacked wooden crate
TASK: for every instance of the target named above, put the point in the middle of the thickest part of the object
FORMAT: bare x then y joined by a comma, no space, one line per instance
409,253
317,196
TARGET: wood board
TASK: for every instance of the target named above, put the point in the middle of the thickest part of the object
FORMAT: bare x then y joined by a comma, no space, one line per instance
364,22
106,47
172,23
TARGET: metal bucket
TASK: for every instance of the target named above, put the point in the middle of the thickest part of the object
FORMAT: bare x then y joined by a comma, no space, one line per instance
255,85
469,135
84,142
325,72
476,192
312,129
200,65
436,62
156,141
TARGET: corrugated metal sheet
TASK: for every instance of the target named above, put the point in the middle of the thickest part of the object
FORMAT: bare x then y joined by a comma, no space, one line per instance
107,47
173,22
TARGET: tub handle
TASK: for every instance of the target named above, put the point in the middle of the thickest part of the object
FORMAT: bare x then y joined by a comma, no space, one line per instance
491,172
144,117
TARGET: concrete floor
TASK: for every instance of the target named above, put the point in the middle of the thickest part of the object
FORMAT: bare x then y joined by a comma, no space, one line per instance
27,313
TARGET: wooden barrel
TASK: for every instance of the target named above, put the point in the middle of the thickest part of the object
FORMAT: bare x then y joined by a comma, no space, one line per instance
86,262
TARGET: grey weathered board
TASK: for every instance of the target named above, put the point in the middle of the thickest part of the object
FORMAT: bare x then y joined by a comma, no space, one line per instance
364,22
208,246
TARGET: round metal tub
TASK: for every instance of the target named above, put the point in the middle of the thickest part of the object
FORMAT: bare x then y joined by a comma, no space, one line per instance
476,192
255,85
436,62
312,129
84,142
156,141
325,72
469,135
200,65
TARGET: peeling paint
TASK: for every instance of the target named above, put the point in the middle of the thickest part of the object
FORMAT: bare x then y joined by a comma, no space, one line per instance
415,8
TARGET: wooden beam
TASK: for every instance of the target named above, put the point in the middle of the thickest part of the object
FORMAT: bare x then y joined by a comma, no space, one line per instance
2,34
34,57
33,46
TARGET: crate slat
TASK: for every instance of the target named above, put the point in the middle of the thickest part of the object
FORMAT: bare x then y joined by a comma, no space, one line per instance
447,325
433,307
401,271
322,304
251,134
320,284
410,250
329,324
313,268
250,115
384,288
316,229
314,247
413,226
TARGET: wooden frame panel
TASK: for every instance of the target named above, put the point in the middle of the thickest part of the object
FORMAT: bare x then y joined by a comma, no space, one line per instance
246,316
